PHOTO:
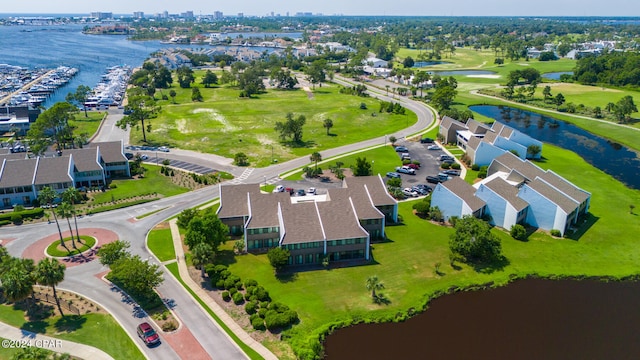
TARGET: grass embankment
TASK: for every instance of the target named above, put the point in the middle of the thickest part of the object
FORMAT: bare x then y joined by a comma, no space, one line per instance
87,125
153,183
224,124
160,243
86,243
91,329
406,264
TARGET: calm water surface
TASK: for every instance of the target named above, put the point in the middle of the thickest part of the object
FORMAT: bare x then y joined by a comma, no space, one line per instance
610,157
464,72
529,319
556,75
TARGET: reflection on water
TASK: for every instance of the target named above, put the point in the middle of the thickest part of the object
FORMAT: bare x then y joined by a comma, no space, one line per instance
529,319
610,157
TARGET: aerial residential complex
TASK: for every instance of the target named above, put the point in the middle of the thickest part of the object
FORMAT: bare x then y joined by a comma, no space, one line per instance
338,225
21,177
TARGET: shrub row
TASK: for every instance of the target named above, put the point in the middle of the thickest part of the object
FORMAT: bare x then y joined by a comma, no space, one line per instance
31,213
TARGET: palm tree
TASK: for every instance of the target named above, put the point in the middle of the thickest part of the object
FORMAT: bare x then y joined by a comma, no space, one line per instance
72,196
315,157
327,124
17,282
46,196
373,284
202,254
50,272
64,210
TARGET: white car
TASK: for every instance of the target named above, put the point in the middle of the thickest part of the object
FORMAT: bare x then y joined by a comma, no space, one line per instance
433,147
311,191
278,189
409,192
144,157
163,149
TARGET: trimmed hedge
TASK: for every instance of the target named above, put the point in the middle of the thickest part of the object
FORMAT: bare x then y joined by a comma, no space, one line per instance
31,213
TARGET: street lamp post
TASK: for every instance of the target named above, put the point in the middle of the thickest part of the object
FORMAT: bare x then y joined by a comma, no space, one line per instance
272,153
372,168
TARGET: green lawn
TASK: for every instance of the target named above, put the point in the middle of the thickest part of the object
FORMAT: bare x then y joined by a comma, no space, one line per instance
224,124
90,329
160,243
153,182
7,353
88,125
383,159
406,263
86,244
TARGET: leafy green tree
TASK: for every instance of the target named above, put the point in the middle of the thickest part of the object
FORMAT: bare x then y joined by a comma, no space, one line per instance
283,78
624,108
250,81
52,127
408,62
161,77
173,94
136,276
18,281
533,151
373,284
31,353
327,124
518,232
206,227
241,159
79,97
316,72
185,77
209,78
185,217
315,157
546,92
278,257
202,254
474,242
362,167
394,183
291,128
50,272
443,97
559,99
46,196
142,108
196,95
112,252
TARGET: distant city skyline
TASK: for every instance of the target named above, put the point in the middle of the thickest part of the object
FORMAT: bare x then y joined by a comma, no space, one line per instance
331,7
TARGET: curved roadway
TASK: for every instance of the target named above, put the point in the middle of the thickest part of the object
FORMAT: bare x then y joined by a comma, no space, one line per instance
84,278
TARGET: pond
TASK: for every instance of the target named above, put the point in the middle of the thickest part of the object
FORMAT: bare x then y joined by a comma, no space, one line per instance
465,72
528,319
556,75
610,157
419,64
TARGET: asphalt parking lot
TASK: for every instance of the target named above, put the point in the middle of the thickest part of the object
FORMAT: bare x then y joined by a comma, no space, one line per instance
183,165
429,163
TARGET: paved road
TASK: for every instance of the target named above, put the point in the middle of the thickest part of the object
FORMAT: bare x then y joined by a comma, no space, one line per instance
83,280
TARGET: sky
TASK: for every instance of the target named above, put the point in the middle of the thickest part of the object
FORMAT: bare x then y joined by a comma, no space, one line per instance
331,7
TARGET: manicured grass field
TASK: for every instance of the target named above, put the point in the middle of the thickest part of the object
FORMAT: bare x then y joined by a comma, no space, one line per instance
606,245
160,243
86,244
153,182
224,124
98,330
88,125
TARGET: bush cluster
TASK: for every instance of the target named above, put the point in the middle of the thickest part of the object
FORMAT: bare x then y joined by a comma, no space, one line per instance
32,213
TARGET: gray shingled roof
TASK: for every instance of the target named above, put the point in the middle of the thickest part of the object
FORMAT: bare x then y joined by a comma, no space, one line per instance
507,192
375,186
506,132
526,168
17,172
111,151
477,127
339,221
566,187
301,223
566,203
233,199
490,137
53,170
448,121
264,209
14,156
497,126
85,159
361,202
464,191
473,142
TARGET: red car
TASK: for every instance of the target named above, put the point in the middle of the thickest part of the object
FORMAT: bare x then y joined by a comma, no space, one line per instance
147,334
414,166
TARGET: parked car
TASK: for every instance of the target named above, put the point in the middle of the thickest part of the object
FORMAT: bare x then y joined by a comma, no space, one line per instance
426,140
420,190
301,192
392,174
424,187
445,157
144,157
405,170
451,172
433,179
448,161
401,149
291,191
147,334
405,156
433,147
414,166
128,155
163,149
311,191
278,189
409,192
444,177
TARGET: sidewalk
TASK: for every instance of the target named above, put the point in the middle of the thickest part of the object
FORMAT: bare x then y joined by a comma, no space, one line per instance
184,274
25,338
